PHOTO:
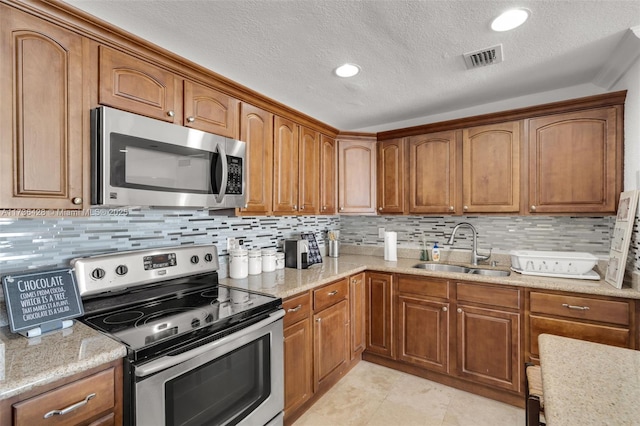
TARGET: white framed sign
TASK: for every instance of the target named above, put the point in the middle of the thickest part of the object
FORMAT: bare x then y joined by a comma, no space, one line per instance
621,238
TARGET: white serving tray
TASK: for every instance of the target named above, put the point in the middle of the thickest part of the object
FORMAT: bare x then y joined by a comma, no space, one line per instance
591,275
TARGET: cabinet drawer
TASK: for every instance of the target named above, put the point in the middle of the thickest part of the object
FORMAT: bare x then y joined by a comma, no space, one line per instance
330,294
580,307
296,308
33,410
591,332
423,287
506,297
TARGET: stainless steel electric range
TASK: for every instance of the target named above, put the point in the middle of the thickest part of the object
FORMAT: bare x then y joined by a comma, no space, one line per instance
199,353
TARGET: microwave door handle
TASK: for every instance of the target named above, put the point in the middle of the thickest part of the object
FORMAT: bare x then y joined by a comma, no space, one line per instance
225,170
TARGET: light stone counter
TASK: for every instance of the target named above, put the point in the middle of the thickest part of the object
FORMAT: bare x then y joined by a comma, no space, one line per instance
27,363
588,383
288,282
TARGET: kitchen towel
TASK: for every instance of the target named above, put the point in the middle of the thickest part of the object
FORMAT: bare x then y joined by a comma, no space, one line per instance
391,246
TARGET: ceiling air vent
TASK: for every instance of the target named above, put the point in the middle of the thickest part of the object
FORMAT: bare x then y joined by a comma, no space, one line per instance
483,57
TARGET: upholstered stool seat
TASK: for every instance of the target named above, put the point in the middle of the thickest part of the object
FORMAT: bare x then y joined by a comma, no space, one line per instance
533,393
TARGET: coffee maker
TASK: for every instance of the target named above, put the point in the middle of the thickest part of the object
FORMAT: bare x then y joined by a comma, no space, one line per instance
296,253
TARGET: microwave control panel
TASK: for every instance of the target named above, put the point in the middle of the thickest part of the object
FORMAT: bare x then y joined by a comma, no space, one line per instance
234,176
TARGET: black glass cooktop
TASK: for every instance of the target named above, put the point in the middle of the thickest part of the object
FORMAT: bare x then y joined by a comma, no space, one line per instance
175,314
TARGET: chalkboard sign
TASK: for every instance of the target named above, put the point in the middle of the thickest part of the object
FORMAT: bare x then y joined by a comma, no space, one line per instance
41,297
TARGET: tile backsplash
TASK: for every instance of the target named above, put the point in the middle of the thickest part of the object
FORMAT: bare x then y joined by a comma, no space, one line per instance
51,243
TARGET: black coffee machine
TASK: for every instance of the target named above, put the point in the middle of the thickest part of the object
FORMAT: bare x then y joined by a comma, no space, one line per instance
296,253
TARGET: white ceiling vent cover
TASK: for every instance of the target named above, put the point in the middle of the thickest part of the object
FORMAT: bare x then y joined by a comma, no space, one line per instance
483,57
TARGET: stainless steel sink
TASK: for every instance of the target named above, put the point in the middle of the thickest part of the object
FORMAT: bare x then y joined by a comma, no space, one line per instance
490,272
461,269
441,267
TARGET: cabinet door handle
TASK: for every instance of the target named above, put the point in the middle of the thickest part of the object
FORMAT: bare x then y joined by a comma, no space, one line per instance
295,207
380,208
445,309
333,293
76,200
459,310
70,408
171,113
576,307
451,208
533,208
319,320
465,208
301,207
296,309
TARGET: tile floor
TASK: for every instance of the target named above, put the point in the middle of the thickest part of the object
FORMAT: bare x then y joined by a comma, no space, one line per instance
373,395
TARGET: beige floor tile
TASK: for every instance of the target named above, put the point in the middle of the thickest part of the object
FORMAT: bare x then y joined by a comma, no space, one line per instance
372,395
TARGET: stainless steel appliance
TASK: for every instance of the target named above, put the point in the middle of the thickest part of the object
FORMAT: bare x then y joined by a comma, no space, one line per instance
195,357
296,253
140,161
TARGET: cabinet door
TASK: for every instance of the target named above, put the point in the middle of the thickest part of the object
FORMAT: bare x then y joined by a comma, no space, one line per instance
42,149
434,173
308,171
356,176
379,314
357,299
488,346
285,166
575,161
328,175
491,168
331,341
136,86
423,333
257,131
211,111
391,176
298,386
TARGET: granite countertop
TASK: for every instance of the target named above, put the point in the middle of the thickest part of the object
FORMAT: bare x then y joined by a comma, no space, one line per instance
588,383
28,363
288,282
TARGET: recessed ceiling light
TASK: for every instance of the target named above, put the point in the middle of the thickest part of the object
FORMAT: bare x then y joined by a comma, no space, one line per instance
510,19
347,70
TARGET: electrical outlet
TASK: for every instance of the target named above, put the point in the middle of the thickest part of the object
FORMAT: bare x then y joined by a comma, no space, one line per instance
232,243
380,232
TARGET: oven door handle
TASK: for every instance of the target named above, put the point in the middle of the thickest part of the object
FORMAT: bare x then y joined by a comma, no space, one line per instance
169,361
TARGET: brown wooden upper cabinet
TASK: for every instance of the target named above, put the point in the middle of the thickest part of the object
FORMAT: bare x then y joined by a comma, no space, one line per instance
256,129
491,168
391,176
43,155
575,161
296,168
357,175
434,172
134,85
328,175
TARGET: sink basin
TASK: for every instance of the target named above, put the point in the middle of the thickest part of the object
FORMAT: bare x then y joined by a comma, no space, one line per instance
461,269
441,267
490,272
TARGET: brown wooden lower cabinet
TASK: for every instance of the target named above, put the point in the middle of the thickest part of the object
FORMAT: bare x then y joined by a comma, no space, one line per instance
357,300
298,374
104,408
379,314
330,342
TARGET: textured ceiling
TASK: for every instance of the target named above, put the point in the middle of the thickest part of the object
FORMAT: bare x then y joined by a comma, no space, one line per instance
410,52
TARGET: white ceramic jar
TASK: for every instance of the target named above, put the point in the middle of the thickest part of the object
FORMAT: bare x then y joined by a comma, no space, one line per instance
268,260
238,263
279,260
255,262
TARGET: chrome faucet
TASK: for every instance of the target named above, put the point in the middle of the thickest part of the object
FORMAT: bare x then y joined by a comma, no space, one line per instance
475,257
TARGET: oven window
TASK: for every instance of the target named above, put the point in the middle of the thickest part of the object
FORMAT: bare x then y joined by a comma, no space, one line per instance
150,165
224,391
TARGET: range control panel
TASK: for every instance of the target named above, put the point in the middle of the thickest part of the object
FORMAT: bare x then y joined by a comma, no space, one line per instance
117,271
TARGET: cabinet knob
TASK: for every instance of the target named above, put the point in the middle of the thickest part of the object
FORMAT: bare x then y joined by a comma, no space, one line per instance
380,208
319,320
324,208
459,310
451,208
246,206
533,208
191,119
76,200
341,208
295,207
445,309
171,113
301,207
465,208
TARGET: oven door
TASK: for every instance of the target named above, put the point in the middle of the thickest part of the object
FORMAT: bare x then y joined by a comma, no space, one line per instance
238,379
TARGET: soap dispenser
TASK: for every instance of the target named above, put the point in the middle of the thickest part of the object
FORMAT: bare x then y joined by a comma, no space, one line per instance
435,253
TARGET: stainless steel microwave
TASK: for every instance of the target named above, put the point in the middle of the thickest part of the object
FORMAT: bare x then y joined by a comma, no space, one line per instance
140,161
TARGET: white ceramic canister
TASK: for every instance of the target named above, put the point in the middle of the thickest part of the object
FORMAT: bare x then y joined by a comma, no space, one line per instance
279,260
268,260
255,262
238,263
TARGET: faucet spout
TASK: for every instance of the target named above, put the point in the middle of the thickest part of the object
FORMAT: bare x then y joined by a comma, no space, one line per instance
475,257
